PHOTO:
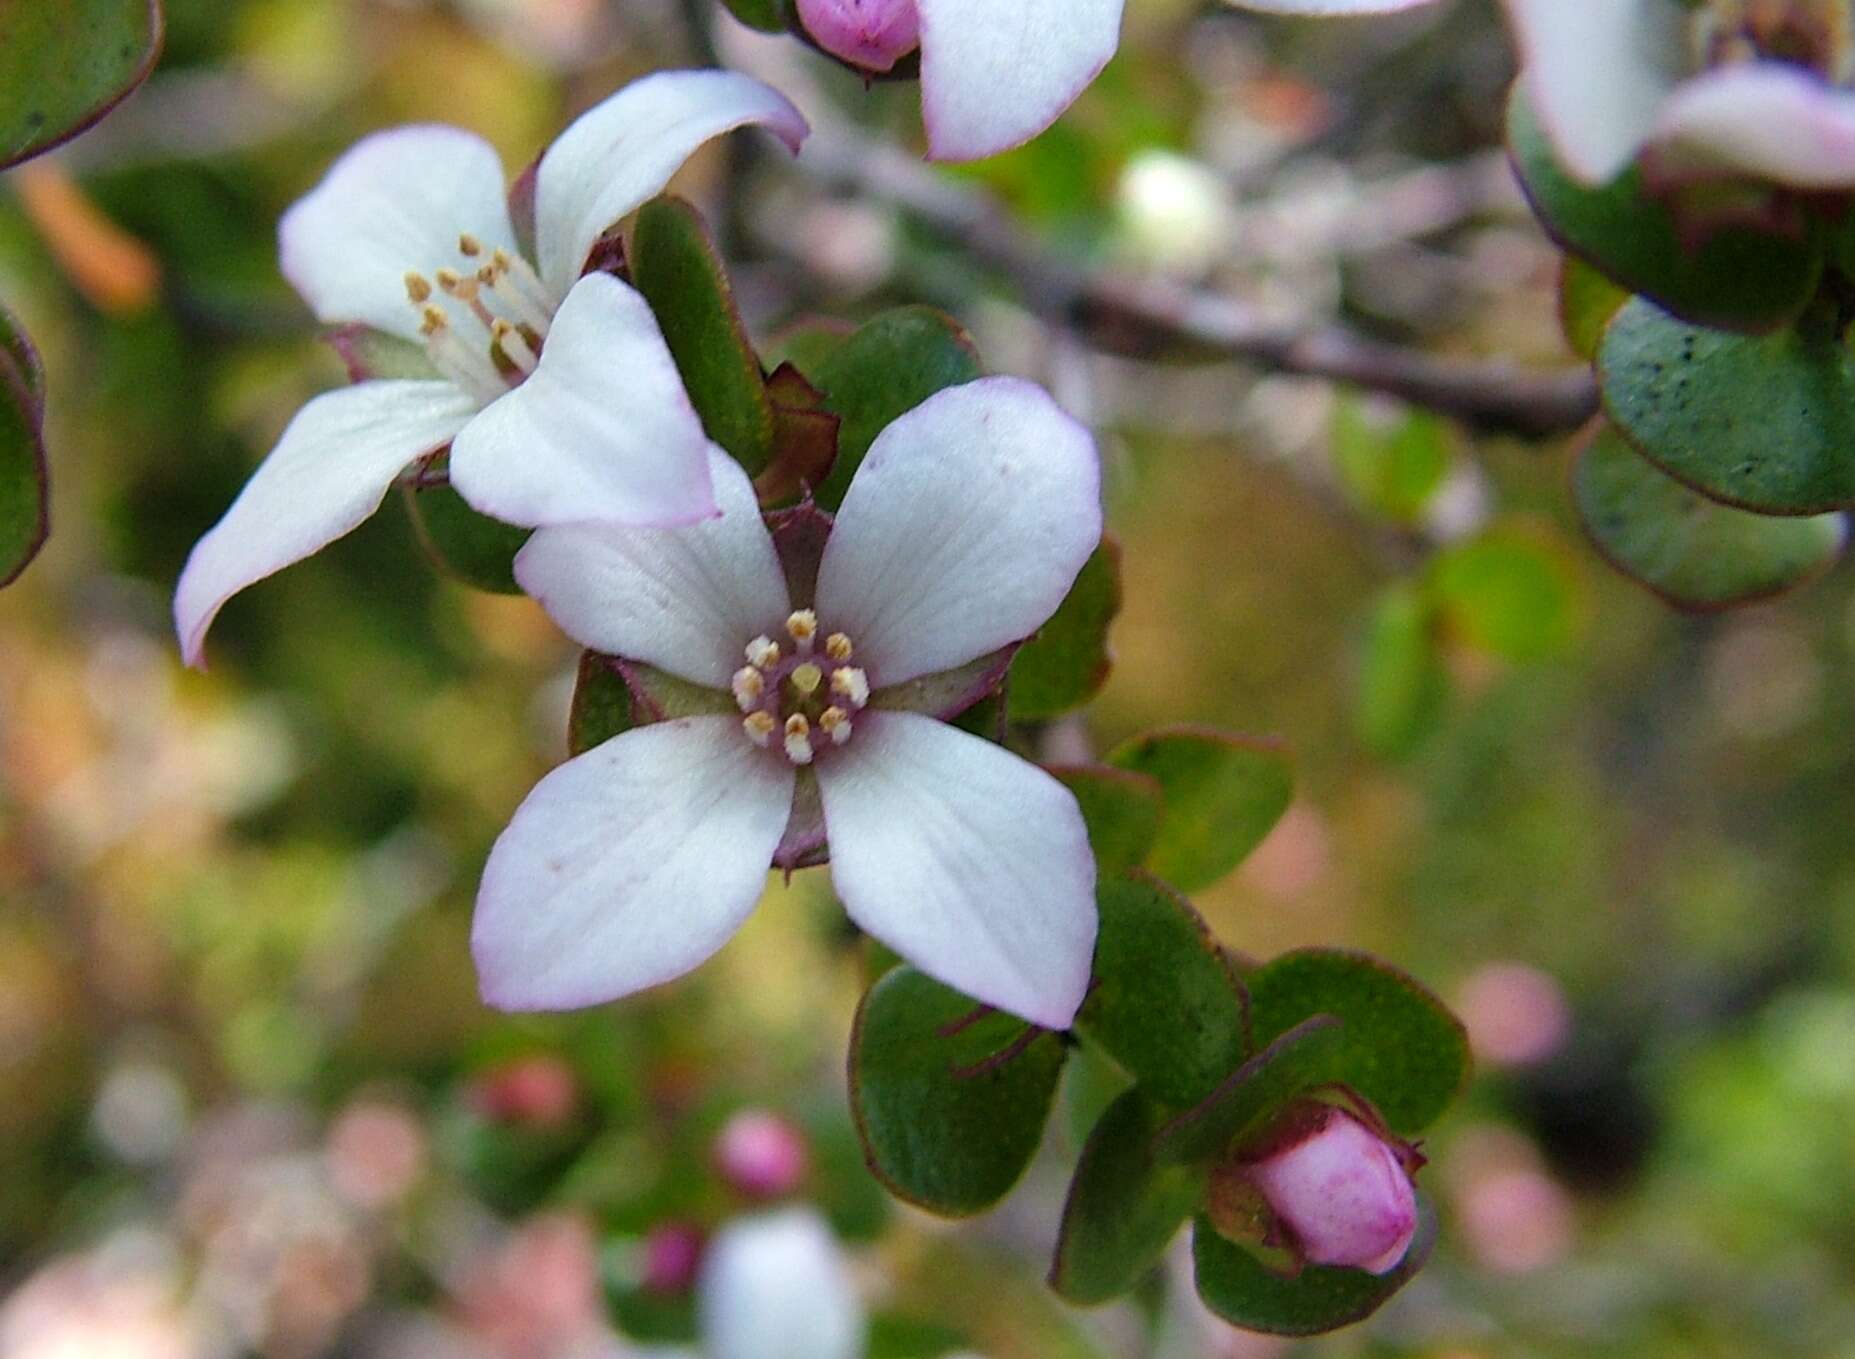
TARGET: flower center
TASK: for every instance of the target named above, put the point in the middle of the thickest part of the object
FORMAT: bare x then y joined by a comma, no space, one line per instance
797,693
484,318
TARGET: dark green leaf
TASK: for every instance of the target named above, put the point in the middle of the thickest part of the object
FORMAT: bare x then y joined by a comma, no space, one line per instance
1402,683
601,704
1165,1004
1392,471
1289,1064
466,545
1399,1046
805,344
1224,793
674,264
950,1097
1765,423
891,364
1236,1286
1122,810
1066,663
64,65
1738,277
1123,1207
899,1337
1513,592
1587,301
1693,552
769,16
25,505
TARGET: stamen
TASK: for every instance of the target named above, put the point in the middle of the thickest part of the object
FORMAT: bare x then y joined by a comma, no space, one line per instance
835,723
525,284
472,369
469,246
532,318
837,647
798,739
851,685
763,652
433,322
749,688
760,728
802,626
509,341
806,679
419,289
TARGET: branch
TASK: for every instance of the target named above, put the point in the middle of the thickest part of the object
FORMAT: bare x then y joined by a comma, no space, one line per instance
1131,314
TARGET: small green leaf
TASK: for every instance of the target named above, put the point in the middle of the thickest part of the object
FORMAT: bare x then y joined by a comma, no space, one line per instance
949,1096
1237,1286
1165,1004
1391,471
601,704
1693,552
65,65
1399,1046
769,16
1121,809
466,545
1764,423
1587,301
1402,683
1288,1065
1224,793
1738,277
674,264
1123,1207
1512,592
892,364
805,344
1066,663
25,506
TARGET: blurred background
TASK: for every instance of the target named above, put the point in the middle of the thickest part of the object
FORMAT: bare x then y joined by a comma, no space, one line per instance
252,1105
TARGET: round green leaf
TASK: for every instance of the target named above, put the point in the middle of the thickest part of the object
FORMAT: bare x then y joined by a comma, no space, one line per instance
1066,663
1402,683
465,545
25,502
66,64
1738,276
1224,793
1390,470
949,1096
675,265
1587,301
1123,1207
1398,1046
601,704
1766,423
769,16
1166,1004
893,363
1290,1064
1512,592
1693,552
1236,1286
1121,809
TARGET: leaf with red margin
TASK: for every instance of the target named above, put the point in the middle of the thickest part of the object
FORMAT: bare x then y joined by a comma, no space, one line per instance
25,493
64,65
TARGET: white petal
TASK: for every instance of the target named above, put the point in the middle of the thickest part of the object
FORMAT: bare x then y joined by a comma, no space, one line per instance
395,202
1768,121
995,75
328,473
629,865
622,152
602,431
972,864
685,600
1596,72
962,530
776,1287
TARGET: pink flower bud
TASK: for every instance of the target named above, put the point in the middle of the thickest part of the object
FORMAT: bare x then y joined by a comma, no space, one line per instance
760,1155
672,1253
1339,1191
870,34
533,1092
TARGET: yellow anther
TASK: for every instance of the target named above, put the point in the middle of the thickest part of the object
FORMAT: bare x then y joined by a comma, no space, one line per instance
835,723
806,679
486,275
419,289
469,245
798,739
760,728
763,652
837,647
749,688
432,321
852,685
802,627
500,261
448,279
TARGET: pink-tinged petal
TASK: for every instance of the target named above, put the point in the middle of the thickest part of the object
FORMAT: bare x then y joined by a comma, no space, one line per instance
995,75
1596,72
1766,121
602,431
971,863
327,474
962,531
621,152
685,600
396,202
776,1286
870,34
1344,1193
628,866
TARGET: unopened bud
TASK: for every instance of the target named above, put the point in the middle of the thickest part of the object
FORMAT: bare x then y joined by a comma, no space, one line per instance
760,1155
1339,1191
672,1254
536,1092
870,34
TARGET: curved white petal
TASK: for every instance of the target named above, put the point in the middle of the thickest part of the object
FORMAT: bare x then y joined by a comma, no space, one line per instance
686,600
395,202
602,431
1596,72
776,1286
962,530
1768,121
972,864
995,75
629,865
328,473
623,151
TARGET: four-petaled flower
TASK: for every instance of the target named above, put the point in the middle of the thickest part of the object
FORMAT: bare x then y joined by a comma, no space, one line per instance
555,392
961,532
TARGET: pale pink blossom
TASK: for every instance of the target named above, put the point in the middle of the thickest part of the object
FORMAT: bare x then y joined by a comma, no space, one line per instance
760,1154
1340,1191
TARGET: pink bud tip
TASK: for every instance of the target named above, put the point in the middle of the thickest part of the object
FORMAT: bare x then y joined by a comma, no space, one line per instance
1341,1192
760,1155
535,1092
870,34
672,1254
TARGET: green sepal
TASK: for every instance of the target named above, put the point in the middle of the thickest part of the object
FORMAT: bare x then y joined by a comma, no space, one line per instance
1121,808
25,487
1223,792
64,65
461,542
602,705
1067,662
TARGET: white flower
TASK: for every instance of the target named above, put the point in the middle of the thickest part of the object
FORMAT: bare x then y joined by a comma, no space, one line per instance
776,1286
992,75
962,531
556,394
